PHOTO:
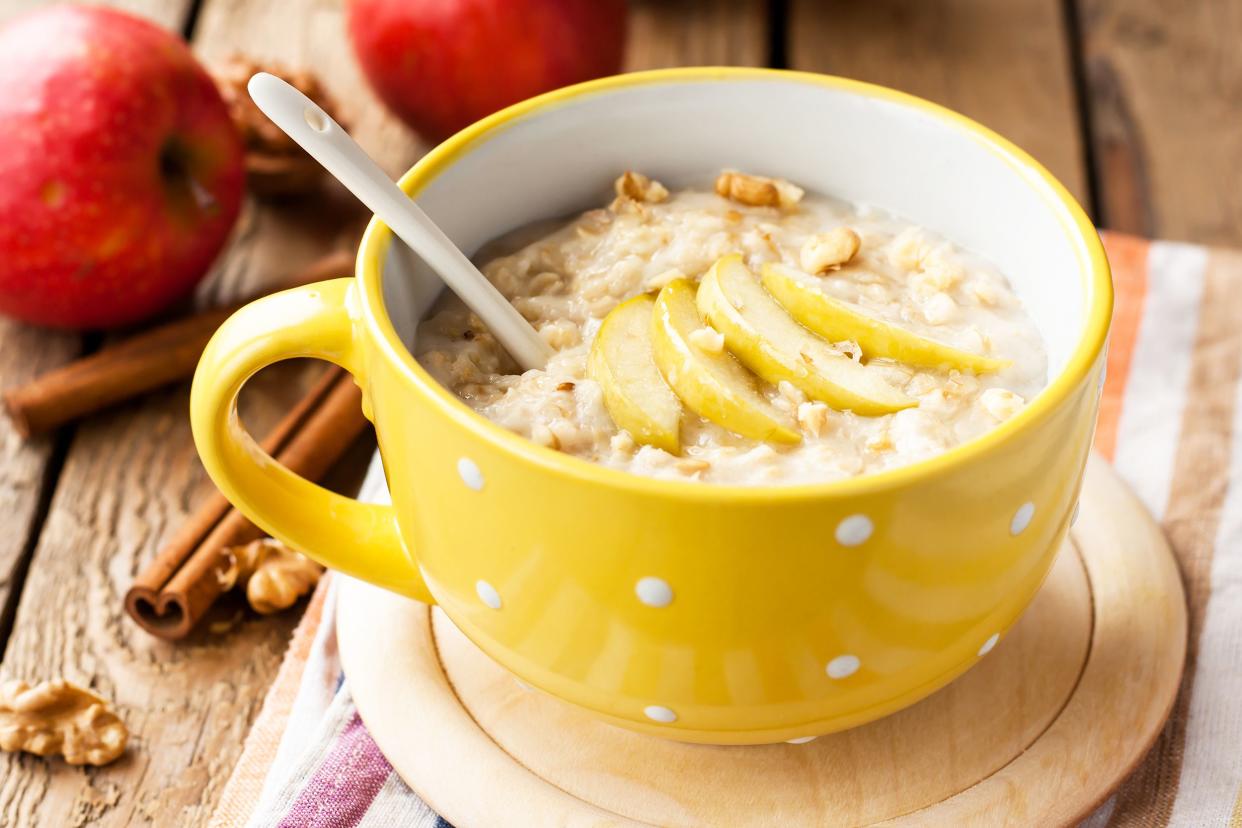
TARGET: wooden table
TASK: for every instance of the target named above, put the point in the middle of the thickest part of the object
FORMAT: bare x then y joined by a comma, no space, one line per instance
1127,101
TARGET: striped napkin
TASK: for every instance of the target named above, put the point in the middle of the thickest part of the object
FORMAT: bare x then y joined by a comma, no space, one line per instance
1176,340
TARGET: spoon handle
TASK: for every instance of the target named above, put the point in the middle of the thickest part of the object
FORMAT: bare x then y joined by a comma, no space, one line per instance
325,141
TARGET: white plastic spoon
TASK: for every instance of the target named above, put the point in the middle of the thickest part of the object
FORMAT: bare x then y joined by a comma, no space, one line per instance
312,128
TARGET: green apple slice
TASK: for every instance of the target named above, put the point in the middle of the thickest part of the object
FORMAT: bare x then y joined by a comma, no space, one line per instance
833,319
623,363
768,341
712,384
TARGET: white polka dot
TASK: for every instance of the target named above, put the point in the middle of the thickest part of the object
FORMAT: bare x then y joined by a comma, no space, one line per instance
854,530
1077,509
487,594
801,740
654,592
989,644
470,474
843,666
1022,518
660,714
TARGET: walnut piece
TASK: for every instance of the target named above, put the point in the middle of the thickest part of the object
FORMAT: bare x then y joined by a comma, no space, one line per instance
829,251
692,465
1001,403
639,187
813,416
707,339
57,717
274,575
275,165
757,191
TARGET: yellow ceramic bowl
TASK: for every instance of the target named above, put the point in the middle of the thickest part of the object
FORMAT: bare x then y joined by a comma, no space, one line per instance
705,613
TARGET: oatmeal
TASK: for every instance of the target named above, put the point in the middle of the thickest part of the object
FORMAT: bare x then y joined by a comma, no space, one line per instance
749,282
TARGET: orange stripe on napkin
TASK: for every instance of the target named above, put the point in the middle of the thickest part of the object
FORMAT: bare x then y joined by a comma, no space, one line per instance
1127,256
241,792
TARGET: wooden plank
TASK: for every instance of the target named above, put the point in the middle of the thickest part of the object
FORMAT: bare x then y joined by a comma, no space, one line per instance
130,479
1162,83
171,14
25,352
722,32
1005,64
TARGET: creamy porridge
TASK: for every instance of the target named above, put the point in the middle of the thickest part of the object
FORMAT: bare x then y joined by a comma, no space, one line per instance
760,257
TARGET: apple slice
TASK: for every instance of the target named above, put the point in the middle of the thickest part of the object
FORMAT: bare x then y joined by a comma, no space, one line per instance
710,383
623,364
833,319
771,343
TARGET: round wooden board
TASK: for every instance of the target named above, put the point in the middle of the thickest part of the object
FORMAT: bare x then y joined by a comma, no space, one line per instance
1038,733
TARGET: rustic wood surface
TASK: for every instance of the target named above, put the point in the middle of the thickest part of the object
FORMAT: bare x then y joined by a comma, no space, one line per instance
1005,64
1133,103
1036,734
682,33
1164,83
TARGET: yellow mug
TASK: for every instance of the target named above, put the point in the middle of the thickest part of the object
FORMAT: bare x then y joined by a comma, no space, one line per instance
717,614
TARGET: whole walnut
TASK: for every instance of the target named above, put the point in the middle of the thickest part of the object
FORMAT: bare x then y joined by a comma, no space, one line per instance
56,717
275,165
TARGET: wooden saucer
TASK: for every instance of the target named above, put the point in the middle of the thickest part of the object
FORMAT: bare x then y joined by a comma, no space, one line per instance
1038,733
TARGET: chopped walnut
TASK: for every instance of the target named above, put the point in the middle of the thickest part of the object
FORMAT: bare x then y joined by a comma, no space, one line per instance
791,393
692,465
829,251
849,348
274,575
878,443
57,717
275,164
565,386
708,339
813,416
758,191
541,434
638,187
622,443
1001,403
566,433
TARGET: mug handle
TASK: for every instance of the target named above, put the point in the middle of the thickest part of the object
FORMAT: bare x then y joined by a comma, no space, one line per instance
317,320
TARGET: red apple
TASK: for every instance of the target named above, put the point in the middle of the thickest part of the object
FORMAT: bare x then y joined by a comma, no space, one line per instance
120,171
443,64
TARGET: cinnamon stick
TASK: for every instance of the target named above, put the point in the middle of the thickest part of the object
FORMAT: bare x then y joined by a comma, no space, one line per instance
146,361
174,592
